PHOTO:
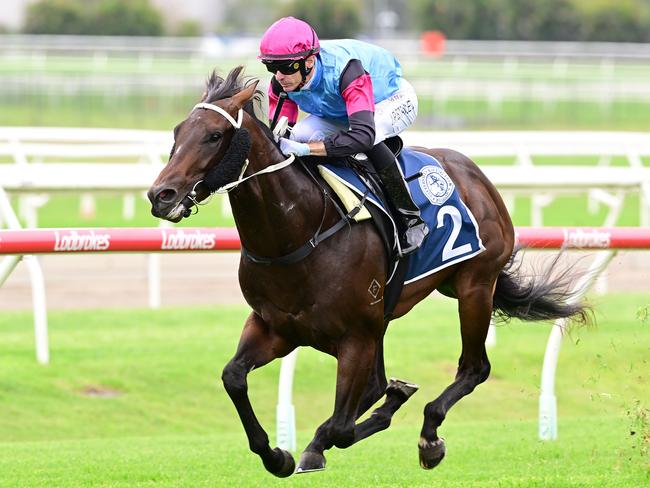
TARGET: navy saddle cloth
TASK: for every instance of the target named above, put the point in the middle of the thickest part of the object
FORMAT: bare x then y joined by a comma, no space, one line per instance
453,231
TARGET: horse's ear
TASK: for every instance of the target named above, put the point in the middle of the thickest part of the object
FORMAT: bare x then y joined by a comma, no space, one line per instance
245,95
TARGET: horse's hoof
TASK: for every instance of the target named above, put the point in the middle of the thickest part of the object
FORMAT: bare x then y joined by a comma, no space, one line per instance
310,461
287,464
431,453
402,388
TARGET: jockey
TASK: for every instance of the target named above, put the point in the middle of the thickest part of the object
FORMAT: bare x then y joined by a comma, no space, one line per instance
356,98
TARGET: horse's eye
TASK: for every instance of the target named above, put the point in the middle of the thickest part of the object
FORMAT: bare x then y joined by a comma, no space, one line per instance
214,137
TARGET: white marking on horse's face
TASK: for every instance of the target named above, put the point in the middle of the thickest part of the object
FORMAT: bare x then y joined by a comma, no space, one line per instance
179,147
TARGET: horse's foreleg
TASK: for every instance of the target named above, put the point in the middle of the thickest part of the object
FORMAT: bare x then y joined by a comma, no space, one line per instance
257,347
356,360
475,310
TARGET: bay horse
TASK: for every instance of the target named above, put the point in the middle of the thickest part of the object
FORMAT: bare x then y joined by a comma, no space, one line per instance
321,296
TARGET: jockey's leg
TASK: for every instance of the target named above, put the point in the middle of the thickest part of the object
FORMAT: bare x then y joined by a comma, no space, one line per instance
393,116
414,228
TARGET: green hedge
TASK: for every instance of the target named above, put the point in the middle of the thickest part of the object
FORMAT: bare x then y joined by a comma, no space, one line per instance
332,19
94,17
532,20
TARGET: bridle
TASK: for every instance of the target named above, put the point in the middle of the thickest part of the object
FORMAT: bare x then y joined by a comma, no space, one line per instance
237,124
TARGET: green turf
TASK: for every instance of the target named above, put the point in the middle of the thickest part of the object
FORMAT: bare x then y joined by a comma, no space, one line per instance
171,423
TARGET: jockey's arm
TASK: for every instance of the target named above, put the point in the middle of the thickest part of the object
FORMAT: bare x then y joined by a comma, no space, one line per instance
356,90
290,110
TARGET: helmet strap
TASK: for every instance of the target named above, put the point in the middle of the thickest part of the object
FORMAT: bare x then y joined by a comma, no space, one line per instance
304,71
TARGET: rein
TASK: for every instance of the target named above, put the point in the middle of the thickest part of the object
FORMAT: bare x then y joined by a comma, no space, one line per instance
306,249
268,169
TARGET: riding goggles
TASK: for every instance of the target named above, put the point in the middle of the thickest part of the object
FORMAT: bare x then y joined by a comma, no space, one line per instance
286,67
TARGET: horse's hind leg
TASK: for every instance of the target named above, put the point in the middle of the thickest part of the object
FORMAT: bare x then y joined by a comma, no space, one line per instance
257,347
475,310
397,393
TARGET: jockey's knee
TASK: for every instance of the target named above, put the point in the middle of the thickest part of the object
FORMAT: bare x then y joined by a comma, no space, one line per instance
313,128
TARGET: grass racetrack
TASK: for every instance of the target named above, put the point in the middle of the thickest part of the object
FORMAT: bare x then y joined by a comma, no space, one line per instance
133,398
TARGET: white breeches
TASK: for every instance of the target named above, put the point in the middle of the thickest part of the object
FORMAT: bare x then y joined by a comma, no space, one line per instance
392,116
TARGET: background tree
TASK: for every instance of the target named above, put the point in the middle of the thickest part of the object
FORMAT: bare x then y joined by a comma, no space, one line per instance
93,17
332,19
188,28
252,19
56,17
127,18
548,20
624,21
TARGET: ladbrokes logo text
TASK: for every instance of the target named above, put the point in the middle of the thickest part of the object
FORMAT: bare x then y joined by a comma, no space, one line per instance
75,241
590,239
180,240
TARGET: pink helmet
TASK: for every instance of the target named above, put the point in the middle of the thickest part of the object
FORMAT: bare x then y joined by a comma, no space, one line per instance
288,38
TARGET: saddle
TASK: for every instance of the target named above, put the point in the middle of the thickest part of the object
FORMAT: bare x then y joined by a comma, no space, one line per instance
362,166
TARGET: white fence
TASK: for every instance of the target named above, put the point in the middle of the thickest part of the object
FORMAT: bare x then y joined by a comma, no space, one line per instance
229,46
47,160
605,184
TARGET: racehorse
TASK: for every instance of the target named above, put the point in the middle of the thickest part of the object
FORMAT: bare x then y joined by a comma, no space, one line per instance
308,290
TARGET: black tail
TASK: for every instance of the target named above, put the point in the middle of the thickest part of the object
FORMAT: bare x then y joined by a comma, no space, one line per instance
541,296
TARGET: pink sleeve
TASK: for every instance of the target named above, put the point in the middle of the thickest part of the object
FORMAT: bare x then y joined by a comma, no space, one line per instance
289,107
358,95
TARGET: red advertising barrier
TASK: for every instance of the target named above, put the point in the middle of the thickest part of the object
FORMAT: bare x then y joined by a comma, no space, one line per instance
584,237
156,239
192,239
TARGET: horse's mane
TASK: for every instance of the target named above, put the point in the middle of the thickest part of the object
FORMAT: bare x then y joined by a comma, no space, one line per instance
218,88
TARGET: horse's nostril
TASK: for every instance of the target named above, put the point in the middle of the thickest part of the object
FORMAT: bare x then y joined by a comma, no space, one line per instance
166,196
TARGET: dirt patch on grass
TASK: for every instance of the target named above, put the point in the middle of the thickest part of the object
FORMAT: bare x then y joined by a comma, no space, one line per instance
98,391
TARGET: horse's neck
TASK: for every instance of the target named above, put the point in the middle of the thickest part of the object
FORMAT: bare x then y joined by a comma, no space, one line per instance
275,211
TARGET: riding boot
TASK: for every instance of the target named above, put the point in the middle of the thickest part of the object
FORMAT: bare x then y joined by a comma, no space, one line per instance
415,230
